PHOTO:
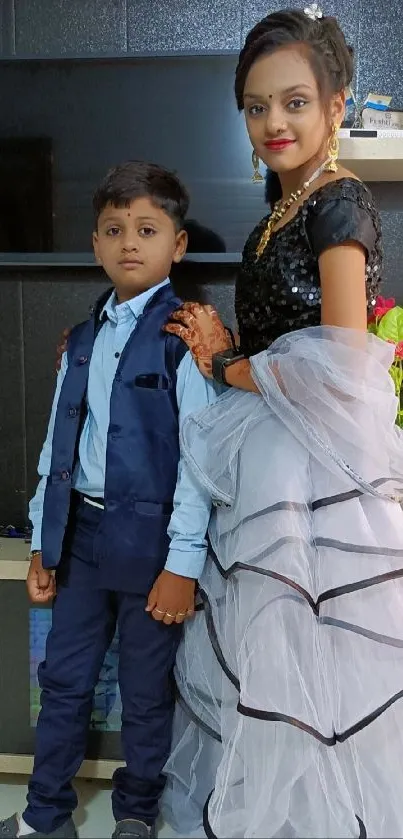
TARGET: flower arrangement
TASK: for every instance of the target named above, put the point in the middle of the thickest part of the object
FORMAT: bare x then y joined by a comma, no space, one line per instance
387,323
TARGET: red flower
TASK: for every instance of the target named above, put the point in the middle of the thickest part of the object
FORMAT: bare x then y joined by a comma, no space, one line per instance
399,350
383,305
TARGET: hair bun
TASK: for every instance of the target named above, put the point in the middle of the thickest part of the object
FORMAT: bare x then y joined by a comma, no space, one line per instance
342,52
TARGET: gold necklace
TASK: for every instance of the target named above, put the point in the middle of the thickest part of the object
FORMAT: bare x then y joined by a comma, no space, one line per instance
280,208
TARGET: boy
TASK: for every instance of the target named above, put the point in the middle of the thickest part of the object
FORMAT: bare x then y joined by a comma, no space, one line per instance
104,512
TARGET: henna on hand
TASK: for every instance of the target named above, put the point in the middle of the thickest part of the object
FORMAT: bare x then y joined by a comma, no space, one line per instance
203,331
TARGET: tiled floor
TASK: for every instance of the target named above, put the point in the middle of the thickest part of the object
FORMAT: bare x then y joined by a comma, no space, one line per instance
93,818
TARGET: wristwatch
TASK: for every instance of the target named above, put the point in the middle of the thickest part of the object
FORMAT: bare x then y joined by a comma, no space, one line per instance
222,360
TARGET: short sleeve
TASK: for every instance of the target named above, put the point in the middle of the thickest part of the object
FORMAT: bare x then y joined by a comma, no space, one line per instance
337,220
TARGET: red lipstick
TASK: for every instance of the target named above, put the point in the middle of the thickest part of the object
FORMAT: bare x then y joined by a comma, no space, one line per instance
278,145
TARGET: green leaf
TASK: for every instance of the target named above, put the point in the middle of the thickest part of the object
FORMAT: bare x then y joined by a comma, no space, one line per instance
397,376
390,327
373,328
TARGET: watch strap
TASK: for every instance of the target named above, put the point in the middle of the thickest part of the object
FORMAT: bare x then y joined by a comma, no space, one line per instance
221,361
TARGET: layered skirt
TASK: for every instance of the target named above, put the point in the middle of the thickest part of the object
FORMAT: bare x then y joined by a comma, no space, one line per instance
289,720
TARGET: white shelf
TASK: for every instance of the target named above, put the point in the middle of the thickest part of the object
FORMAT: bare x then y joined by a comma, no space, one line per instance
372,155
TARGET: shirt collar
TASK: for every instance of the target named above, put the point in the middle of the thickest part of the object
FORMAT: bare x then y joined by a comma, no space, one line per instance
131,308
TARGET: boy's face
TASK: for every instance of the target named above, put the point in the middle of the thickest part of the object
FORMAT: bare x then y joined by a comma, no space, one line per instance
136,246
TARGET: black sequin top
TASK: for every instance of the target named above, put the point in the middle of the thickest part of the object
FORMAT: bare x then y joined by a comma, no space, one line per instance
280,292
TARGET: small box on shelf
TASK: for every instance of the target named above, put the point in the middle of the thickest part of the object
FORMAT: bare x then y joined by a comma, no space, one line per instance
371,154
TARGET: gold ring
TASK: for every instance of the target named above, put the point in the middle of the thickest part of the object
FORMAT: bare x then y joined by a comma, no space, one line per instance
159,612
181,614
169,615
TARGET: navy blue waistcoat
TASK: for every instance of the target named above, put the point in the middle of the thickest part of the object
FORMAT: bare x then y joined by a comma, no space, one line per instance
142,456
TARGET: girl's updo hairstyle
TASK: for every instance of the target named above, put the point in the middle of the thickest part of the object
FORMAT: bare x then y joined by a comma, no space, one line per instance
323,41
328,54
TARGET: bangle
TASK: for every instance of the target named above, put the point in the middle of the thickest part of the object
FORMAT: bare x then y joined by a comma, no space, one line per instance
34,553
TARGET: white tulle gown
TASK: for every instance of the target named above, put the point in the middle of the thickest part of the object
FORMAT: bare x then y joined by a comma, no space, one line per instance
290,679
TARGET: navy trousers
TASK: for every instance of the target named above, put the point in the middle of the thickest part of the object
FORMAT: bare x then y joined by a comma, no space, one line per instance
84,621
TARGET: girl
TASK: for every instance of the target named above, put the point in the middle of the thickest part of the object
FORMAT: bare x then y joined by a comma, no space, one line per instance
290,716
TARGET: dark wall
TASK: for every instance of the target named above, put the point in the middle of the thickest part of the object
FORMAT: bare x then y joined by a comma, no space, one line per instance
35,304
54,28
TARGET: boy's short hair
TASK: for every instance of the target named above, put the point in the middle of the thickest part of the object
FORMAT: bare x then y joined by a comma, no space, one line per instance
139,179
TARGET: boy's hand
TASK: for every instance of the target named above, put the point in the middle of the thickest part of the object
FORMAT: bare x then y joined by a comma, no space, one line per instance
172,598
40,582
61,348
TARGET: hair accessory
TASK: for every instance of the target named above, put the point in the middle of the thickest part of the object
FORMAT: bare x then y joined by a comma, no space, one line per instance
313,11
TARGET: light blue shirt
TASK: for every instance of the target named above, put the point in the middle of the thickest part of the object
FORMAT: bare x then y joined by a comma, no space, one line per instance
192,504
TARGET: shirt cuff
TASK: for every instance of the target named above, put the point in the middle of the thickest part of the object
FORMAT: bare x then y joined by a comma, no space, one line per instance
36,540
186,564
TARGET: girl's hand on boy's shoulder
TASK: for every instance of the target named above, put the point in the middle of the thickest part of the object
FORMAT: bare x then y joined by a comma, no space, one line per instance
172,598
201,328
61,348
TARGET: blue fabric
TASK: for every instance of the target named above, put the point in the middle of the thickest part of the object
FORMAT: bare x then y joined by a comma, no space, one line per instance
74,655
188,523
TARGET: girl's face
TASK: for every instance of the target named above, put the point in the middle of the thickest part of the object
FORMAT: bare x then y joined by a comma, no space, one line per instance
285,118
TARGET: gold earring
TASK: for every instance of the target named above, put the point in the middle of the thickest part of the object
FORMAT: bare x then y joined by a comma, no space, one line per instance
333,150
257,178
